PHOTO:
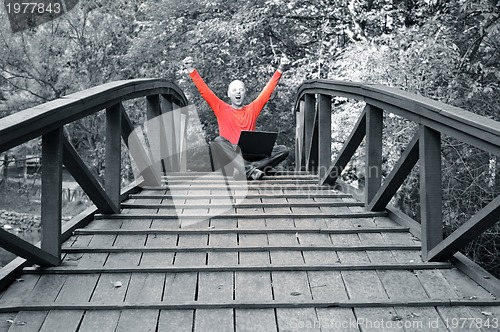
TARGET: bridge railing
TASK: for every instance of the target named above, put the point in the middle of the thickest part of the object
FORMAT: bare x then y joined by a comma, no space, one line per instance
47,120
313,107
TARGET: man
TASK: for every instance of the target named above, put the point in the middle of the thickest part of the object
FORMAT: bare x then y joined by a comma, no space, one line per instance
235,117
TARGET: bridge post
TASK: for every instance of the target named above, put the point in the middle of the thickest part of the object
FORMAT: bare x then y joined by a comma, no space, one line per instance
167,110
431,214
299,137
113,153
373,164
311,132
325,134
157,133
52,158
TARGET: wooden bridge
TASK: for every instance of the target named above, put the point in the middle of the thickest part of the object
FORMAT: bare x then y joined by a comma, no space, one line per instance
297,251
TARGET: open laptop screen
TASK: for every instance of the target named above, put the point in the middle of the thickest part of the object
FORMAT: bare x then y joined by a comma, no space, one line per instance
256,145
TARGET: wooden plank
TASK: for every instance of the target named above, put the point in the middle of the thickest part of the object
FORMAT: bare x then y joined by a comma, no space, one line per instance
145,287
245,267
397,176
158,259
183,305
28,321
185,254
337,319
402,285
279,257
249,213
373,163
113,153
458,318
377,319
262,320
214,320
325,134
418,319
180,287
257,257
77,288
47,288
119,259
101,320
111,288
220,258
430,189
253,286
176,320
52,157
327,285
478,224
137,320
297,319
62,320
291,286
186,250
215,286
96,259
352,143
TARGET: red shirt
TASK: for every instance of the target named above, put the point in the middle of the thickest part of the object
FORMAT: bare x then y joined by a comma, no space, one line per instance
231,120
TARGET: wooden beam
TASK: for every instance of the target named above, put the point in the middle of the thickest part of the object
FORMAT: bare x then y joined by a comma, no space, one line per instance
157,135
299,136
240,268
349,247
247,216
310,125
52,158
176,132
167,110
113,157
266,230
348,150
90,185
324,134
431,214
8,307
475,226
239,205
398,175
373,163
149,173
26,250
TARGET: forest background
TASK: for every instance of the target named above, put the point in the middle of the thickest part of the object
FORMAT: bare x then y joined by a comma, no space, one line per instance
447,50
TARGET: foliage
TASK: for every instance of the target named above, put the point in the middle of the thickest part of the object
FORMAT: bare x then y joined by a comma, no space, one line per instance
445,50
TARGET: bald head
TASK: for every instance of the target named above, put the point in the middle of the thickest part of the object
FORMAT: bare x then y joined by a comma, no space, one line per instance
236,92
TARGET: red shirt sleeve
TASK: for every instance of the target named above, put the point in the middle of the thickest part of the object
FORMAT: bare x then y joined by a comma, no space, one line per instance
259,103
207,94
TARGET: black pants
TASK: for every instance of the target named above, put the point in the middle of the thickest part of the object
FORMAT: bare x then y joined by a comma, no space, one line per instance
227,157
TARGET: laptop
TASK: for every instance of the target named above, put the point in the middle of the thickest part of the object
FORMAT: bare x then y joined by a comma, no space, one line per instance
256,145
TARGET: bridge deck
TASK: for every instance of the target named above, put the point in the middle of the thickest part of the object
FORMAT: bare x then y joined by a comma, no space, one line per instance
290,257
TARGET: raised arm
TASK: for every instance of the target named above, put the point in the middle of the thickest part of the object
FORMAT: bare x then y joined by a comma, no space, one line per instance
207,94
266,93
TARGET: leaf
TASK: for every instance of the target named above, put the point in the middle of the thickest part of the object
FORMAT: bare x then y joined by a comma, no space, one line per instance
396,318
117,284
295,293
487,313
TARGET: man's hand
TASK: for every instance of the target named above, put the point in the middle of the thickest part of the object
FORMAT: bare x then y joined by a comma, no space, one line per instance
284,63
188,64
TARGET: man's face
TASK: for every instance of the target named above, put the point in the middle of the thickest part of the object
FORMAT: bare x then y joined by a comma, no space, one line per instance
236,92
